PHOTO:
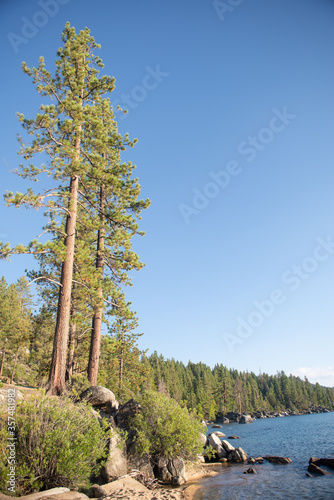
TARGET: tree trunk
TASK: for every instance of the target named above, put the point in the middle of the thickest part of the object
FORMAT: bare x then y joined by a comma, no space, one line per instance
95,341
3,356
71,349
15,362
121,368
56,383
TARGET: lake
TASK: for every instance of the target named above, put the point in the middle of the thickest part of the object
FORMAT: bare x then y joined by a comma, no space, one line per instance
296,437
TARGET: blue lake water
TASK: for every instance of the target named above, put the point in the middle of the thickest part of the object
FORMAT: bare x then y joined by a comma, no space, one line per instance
298,437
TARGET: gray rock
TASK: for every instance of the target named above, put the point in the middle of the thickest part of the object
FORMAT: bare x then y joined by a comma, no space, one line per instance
171,471
214,441
97,395
141,464
238,455
234,437
116,465
317,470
250,471
54,493
221,452
97,491
245,419
278,460
227,446
126,413
220,434
327,462
4,395
202,439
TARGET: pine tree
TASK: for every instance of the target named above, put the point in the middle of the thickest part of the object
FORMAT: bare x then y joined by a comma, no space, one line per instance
15,324
93,191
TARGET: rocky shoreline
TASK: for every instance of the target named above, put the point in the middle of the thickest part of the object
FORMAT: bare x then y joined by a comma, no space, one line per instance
245,417
127,475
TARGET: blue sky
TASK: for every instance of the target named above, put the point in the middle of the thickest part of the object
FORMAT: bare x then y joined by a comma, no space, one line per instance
232,103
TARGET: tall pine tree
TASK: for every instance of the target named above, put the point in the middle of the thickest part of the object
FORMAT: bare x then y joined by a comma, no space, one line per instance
85,173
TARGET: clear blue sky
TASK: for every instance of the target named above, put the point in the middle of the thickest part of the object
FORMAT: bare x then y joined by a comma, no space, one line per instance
233,106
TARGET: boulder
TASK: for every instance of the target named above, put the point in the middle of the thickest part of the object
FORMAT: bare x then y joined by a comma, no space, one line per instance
219,434
251,460
170,471
96,491
233,416
143,465
221,452
125,413
216,444
327,462
314,468
129,487
237,455
116,465
216,426
98,395
245,419
250,471
202,439
278,460
4,395
54,493
227,446
214,441
234,437
40,494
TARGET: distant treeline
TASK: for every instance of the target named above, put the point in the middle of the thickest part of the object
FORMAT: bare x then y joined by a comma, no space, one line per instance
26,341
221,390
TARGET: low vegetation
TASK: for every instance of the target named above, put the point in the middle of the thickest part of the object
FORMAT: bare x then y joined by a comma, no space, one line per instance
164,428
57,444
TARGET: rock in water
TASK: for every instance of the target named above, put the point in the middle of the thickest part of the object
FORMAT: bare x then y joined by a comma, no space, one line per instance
227,446
238,455
250,471
314,468
245,419
278,460
327,462
219,434
214,441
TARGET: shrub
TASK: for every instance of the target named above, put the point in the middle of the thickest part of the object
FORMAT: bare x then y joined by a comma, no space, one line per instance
58,444
164,428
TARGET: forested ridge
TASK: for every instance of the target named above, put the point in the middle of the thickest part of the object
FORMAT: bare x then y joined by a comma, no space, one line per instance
26,349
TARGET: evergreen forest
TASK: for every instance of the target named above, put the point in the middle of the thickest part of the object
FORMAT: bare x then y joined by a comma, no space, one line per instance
27,338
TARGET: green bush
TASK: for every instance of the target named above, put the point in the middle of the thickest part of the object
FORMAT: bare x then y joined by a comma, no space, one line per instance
164,428
58,444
